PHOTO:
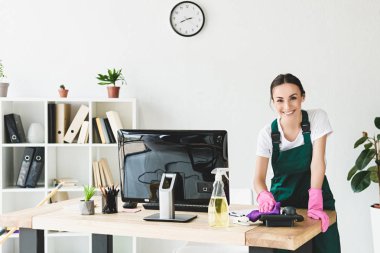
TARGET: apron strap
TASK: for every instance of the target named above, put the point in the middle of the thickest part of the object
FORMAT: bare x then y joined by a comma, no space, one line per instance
276,136
276,140
305,125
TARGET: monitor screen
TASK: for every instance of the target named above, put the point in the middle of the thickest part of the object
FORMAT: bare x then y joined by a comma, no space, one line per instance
144,155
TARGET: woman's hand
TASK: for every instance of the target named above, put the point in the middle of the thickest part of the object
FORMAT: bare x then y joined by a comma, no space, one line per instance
315,208
266,201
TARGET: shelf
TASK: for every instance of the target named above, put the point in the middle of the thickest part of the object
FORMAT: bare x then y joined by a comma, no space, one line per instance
16,145
65,234
61,160
18,189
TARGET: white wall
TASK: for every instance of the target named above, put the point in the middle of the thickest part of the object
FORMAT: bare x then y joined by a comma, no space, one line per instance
218,79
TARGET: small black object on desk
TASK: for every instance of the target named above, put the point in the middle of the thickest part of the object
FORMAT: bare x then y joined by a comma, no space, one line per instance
286,219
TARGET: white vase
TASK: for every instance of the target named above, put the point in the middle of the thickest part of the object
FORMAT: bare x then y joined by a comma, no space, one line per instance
375,223
36,133
3,89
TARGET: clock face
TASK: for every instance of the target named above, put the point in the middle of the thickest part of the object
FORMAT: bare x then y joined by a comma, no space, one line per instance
187,18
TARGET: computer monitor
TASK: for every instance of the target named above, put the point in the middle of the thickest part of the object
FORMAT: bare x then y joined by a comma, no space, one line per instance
144,155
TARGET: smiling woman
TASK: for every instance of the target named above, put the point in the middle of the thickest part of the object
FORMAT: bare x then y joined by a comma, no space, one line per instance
295,142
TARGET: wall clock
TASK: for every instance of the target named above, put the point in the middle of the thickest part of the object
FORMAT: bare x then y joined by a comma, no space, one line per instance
187,18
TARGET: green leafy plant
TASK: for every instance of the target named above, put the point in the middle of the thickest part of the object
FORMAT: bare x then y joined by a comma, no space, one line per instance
89,191
111,77
62,87
363,173
2,75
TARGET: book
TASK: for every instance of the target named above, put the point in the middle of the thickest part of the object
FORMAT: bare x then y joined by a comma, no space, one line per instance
96,173
51,123
102,131
25,166
115,122
107,171
62,120
14,128
83,134
109,131
95,132
102,175
36,167
76,124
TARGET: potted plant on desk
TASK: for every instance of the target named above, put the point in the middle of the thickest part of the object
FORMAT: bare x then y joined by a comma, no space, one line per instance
364,173
87,206
3,83
112,77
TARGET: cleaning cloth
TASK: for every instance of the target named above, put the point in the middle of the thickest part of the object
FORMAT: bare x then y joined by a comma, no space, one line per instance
256,214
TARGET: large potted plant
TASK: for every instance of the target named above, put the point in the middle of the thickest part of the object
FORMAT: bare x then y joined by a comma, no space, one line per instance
3,83
365,172
87,206
112,77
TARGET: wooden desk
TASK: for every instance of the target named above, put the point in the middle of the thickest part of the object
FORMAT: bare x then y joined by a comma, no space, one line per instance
65,216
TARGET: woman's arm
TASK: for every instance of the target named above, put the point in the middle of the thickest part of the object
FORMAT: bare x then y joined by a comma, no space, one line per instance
318,165
260,174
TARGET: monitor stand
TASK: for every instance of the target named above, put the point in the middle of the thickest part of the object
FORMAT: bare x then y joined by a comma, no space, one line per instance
176,218
130,204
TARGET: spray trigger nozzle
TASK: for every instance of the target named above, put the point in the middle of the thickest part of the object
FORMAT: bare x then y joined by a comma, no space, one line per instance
219,172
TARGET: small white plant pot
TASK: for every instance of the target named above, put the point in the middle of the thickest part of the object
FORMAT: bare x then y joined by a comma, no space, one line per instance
3,89
87,207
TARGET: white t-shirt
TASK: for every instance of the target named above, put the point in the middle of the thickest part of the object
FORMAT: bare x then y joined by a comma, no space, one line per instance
319,126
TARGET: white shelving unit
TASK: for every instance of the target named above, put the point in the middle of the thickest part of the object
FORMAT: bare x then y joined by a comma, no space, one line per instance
61,160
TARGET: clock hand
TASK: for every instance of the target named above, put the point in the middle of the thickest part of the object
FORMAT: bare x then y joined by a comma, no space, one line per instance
186,19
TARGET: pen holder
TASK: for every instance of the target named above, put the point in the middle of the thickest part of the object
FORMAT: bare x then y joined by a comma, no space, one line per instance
109,203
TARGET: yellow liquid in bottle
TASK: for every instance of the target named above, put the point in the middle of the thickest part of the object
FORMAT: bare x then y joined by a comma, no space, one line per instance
218,212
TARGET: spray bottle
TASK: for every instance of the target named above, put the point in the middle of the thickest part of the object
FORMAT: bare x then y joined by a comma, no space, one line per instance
218,206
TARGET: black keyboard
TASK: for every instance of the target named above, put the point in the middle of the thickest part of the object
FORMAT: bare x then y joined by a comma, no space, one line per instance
179,207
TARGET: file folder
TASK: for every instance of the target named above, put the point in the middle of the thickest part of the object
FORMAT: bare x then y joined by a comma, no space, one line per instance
83,134
51,123
36,167
76,124
25,166
14,128
62,120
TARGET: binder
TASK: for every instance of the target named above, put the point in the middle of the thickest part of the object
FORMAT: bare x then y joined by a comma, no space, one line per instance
115,122
36,167
25,166
76,124
62,119
109,131
95,132
83,134
51,123
14,129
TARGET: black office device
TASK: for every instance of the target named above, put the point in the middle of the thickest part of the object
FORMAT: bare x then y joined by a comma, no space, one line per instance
144,155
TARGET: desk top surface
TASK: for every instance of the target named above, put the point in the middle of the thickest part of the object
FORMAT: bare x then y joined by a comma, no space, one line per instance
65,216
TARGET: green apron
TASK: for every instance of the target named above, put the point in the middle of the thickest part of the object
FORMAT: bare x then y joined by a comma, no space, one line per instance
291,182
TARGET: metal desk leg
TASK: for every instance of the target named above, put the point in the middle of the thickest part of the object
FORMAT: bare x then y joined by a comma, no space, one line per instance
102,243
31,240
306,248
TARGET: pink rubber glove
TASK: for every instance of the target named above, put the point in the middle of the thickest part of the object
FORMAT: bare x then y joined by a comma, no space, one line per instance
266,201
315,208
